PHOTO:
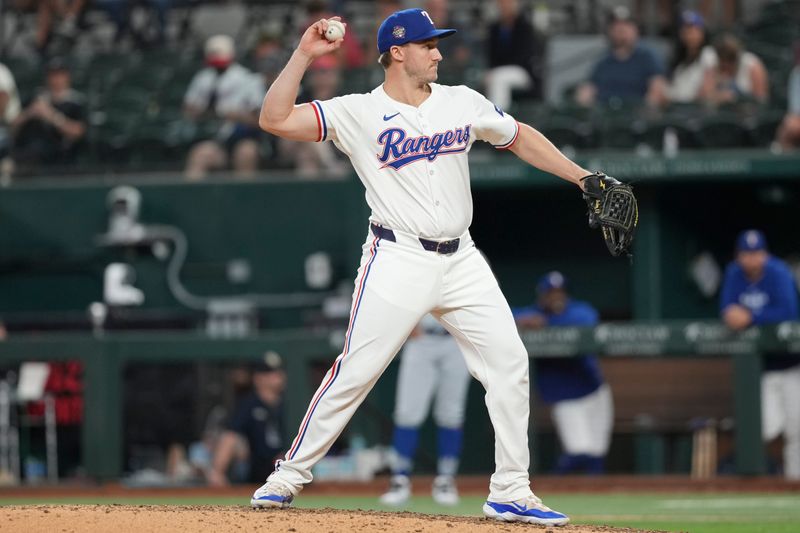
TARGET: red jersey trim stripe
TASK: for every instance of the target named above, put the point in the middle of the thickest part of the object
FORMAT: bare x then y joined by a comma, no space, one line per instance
319,120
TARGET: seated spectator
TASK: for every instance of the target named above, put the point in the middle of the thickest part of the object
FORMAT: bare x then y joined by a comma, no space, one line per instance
739,75
120,13
268,56
49,131
630,72
788,136
693,58
219,92
351,53
318,160
515,54
9,109
258,421
268,52
65,13
454,49
383,8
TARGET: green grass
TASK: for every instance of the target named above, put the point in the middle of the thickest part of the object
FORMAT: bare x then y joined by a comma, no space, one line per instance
702,513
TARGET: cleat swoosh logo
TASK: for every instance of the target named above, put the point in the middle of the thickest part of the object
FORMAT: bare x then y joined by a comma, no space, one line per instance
519,508
390,117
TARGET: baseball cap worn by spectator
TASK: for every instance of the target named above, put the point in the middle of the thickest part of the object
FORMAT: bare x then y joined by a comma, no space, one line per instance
620,14
751,240
551,280
219,51
692,18
57,64
269,362
408,26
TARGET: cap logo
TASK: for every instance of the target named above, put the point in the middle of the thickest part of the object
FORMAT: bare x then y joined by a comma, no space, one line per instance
752,239
398,32
556,279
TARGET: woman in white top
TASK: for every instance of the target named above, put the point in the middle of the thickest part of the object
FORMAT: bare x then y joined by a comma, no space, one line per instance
739,74
788,135
693,58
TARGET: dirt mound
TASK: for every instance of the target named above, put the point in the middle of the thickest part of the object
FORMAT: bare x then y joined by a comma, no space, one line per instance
208,518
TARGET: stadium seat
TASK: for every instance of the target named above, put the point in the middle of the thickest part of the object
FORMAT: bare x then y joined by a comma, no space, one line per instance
128,100
720,131
762,133
564,131
110,141
149,149
617,133
146,77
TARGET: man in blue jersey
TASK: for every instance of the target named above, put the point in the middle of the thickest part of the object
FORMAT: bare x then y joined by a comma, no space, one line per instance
759,289
582,407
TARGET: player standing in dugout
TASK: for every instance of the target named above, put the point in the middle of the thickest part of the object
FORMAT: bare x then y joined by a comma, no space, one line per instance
408,141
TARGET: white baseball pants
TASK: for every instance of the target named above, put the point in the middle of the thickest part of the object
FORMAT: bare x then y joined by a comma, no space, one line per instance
397,284
780,413
584,424
432,369
500,81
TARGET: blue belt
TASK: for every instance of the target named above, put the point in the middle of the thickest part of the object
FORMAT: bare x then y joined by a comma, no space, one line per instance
440,247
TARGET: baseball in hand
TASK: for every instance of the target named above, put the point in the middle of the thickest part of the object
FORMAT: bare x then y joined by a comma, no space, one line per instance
335,30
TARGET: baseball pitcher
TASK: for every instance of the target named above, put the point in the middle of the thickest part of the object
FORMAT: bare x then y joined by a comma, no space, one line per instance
408,142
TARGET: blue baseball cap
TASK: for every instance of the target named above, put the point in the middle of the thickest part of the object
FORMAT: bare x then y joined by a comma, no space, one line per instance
751,240
407,26
551,280
692,18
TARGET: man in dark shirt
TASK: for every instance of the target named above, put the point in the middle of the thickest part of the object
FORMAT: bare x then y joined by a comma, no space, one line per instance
629,72
258,420
50,129
456,48
515,55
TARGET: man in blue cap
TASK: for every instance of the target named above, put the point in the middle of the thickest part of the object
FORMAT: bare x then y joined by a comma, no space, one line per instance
408,140
759,289
582,407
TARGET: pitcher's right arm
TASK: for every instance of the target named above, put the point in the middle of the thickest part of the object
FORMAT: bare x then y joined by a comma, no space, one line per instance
279,114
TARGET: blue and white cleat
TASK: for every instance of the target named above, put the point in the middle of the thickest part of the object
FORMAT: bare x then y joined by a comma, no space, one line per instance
530,510
272,494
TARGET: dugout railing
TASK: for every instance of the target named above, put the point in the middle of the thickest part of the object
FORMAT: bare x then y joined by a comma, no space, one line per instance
105,357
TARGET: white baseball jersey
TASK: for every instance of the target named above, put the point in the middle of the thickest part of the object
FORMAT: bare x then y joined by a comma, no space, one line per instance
412,160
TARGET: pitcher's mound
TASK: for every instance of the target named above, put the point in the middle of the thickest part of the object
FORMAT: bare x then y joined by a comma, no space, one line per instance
208,518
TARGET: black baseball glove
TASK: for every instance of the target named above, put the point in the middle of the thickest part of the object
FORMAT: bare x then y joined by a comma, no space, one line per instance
612,208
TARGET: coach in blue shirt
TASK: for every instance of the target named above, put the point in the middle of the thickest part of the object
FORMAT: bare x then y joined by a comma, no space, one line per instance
759,289
630,72
582,407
